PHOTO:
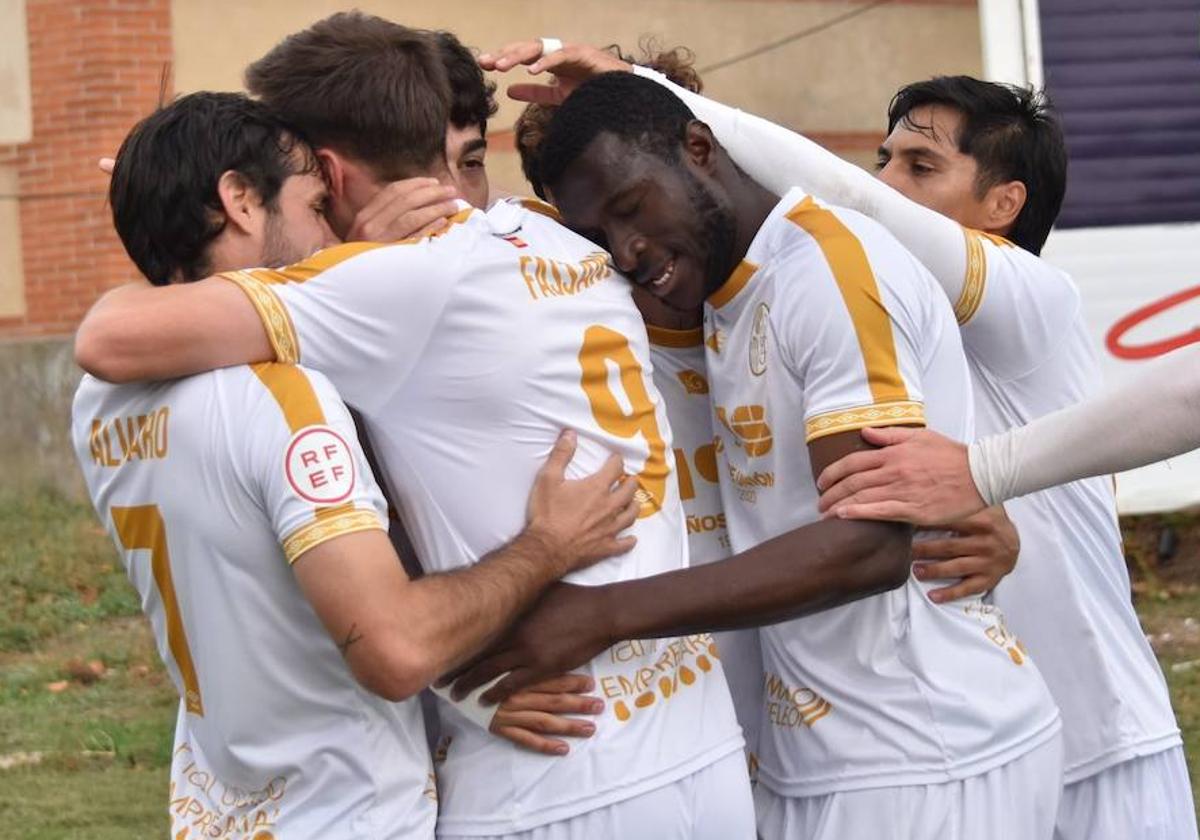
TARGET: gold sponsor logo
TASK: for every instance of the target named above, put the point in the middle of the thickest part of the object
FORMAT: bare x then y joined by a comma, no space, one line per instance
749,428
997,631
680,664
693,381
793,706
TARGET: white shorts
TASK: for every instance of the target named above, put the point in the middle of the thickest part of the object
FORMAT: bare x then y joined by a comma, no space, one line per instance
711,804
1016,800
1149,798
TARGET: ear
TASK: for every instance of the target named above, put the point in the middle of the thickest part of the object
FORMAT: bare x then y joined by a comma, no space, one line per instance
1004,204
700,146
239,200
334,169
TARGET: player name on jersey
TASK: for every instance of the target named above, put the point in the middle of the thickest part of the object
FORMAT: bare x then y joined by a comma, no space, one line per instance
119,440
553,278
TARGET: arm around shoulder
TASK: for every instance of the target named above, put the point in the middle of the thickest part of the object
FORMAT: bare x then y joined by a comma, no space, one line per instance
142,332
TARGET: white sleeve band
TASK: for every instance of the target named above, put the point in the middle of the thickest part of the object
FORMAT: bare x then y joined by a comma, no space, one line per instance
470,707
780,159
1153,417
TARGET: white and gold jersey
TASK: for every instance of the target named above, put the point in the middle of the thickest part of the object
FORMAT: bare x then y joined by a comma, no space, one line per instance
679,373
829,326
1030,354
211,486
468,353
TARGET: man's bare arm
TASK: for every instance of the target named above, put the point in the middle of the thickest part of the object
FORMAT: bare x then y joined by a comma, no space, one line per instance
139,332
807,570
398,635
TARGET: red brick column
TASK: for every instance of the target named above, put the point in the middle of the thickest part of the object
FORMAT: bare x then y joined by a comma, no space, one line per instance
95,70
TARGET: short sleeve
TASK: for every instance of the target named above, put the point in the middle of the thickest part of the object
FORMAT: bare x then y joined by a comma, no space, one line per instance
1014,308
846,333
306,462
360,313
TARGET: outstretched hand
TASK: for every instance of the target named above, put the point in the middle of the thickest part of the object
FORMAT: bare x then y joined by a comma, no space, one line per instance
571,66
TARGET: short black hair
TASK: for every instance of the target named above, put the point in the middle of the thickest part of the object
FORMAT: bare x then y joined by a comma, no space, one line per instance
637,110
1012,135
163,192
677,64
370,88
473,97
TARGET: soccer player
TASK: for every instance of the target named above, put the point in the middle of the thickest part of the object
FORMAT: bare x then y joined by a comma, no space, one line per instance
992,160
884,716
921,476
466,353
677,355
244,511
977,560
971,178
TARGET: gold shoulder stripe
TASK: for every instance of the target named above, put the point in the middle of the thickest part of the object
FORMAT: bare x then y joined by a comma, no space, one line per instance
273,314
663,337
323,529
976,278
736,282
294,393
856,281
539,206
996,239
906,413
319,262
457,219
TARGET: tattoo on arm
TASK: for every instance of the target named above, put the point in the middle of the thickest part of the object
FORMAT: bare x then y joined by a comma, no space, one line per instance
351,638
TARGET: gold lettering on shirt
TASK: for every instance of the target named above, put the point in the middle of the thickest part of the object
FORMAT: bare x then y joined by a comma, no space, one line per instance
546,278
680,664
792,706
118,441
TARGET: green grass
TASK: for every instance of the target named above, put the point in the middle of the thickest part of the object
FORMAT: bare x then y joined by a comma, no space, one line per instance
103,746
101,749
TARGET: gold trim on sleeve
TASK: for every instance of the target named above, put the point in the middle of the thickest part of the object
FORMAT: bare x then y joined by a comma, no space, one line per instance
273,314
976,278
905,413
309,536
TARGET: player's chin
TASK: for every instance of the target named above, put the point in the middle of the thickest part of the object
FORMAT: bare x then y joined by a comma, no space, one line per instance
685,290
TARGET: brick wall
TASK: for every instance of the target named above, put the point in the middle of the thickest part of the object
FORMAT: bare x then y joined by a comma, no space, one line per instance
95,69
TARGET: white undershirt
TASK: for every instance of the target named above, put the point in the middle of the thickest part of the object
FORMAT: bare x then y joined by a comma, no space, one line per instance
1154,417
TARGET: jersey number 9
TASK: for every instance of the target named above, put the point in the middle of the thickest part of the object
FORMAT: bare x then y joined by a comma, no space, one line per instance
602,346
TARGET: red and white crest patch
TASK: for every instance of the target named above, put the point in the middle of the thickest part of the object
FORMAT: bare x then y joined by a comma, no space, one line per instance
320,466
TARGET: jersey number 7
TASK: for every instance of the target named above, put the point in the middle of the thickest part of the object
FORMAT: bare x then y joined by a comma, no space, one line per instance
142,527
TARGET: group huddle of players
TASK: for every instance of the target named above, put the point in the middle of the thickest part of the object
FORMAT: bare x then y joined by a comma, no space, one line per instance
596,420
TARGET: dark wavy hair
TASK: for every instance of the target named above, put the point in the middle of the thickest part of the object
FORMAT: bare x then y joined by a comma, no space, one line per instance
163,193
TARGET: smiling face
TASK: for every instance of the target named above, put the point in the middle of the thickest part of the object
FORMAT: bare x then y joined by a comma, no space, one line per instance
668,226
921,160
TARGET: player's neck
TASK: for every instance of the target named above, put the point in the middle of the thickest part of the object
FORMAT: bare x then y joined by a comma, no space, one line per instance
752,203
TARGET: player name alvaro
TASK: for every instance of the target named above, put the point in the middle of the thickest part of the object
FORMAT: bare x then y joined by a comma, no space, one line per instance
123,439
